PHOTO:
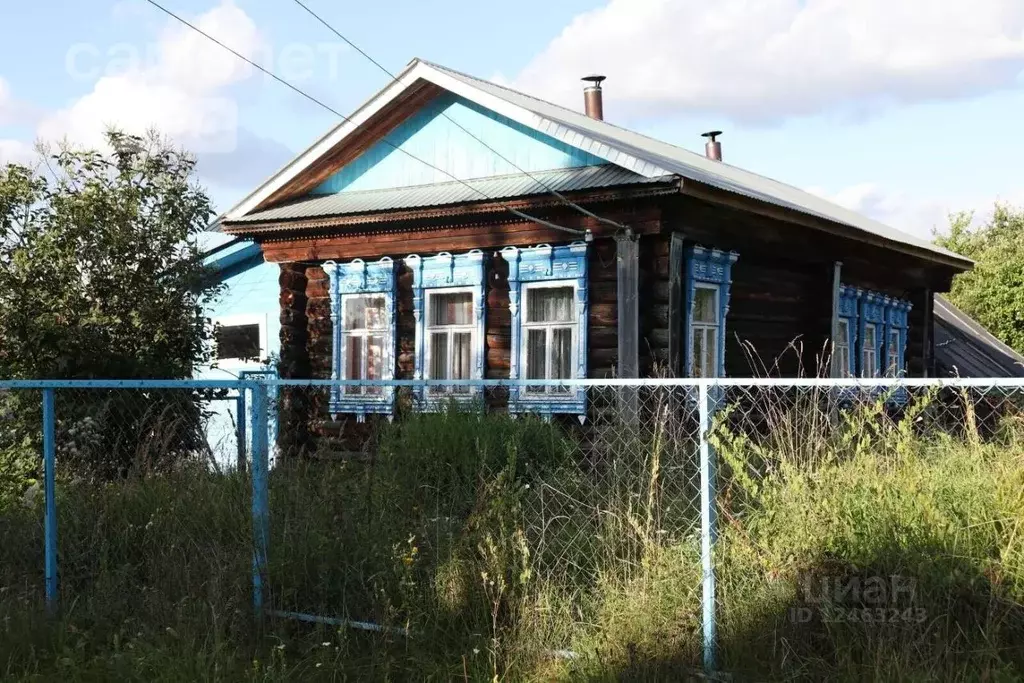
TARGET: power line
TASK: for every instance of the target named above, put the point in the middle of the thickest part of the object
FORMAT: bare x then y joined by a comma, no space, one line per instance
311,98
551,190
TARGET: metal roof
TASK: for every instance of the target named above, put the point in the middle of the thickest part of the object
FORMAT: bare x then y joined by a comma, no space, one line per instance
965,348
440,194
630,150
591,134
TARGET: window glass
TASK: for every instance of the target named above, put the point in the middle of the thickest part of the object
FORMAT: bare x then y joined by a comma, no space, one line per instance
238,341
894,352
550,329
549,304
843,348
364,312
705,305
870,367
455,308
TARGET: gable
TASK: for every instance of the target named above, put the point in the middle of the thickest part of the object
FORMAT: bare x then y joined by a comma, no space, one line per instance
432,137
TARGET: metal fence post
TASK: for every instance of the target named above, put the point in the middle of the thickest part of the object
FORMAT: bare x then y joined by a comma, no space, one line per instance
240,429
50,493
707,523
260,494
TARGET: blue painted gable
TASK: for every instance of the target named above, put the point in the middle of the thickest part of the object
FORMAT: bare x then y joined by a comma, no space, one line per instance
434,138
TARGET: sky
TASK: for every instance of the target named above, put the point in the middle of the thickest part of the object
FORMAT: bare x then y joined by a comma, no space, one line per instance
904,110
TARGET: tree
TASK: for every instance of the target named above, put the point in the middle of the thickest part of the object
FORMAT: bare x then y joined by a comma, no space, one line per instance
993,292
100,273
101,277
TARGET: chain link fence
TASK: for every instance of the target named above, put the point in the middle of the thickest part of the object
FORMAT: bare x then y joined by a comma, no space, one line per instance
458,518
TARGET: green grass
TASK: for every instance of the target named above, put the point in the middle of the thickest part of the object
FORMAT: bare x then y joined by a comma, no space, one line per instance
495,544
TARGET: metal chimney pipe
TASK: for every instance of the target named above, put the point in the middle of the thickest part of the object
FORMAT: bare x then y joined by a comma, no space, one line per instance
712,148
592,97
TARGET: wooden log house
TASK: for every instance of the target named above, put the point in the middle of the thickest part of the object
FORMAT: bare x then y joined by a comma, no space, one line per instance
453,228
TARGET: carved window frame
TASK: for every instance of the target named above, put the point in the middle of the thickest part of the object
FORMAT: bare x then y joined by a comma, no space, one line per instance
707,268
359,278
446,271
552,266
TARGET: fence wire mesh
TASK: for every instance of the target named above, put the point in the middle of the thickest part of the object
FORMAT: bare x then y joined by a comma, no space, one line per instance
462,519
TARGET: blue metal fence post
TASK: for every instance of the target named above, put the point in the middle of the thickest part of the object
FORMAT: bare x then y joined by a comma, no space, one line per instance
260,494
240,417
50,492
707,522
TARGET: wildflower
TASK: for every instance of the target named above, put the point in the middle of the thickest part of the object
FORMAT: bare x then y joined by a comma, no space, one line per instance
326,644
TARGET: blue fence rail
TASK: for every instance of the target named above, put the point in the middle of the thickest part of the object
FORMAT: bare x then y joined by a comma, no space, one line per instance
253,399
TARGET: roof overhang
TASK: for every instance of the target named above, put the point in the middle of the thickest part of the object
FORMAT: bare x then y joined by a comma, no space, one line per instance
420,81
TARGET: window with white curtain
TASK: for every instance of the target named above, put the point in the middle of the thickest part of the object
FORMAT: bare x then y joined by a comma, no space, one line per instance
869,366
843,347
366,335
549,333
704,327
450,335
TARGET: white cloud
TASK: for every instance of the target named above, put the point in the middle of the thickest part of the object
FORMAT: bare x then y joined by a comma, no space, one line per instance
916,215
16,152
182,93
763,60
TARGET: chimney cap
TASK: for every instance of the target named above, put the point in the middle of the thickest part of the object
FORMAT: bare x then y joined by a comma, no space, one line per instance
595,79
711,134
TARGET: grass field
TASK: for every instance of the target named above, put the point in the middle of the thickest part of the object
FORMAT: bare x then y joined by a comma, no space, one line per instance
447,533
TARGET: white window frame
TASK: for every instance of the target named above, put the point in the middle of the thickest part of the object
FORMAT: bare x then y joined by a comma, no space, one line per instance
239,319
892,353
865,349
704,326
843,346
386,332
429,330
526,326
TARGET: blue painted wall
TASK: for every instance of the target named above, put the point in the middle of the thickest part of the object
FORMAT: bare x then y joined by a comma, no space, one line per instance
251,295
430,136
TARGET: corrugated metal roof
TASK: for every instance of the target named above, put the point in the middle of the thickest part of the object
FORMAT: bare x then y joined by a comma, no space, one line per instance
441,194
965,348
604,139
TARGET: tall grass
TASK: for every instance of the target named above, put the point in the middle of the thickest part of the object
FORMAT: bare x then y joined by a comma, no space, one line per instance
523,550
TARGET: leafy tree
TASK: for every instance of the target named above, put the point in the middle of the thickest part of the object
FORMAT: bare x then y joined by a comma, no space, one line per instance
993,292
101,277
100,274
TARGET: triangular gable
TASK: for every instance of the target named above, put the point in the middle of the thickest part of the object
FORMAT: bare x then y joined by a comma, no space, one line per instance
462,138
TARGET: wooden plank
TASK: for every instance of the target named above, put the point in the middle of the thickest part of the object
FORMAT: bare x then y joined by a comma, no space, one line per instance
628,278
675,322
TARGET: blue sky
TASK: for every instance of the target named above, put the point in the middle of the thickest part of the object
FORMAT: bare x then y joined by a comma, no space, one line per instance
901,109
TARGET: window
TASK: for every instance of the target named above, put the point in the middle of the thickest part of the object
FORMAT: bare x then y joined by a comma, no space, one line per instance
704,332
893,355
869,367
363,340
240,342
548,301
448,305
450,331
708,278
550,329
843,347
366,334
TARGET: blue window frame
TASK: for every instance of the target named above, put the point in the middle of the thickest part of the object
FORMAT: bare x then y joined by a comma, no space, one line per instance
872,335
549,303
708,279
448,305
896,319
362,299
